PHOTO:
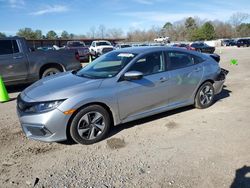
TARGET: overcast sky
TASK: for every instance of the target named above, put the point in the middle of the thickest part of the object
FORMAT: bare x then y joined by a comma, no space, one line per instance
78,16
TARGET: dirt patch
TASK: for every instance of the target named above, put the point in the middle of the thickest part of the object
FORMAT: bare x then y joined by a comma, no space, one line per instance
40,150
116,143
171,125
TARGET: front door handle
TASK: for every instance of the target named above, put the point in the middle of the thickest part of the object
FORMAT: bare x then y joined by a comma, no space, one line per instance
18,57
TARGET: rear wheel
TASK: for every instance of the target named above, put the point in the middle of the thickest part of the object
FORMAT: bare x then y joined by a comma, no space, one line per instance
50,71
205,96
90,125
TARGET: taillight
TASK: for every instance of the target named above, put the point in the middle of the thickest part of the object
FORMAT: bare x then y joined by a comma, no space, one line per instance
77,56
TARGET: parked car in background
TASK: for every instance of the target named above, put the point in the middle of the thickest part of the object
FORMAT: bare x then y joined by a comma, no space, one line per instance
228,42
119,46
243,43
118,87
162,39
202,47
82,50
18,64
184,46
216,57
100,47
45,48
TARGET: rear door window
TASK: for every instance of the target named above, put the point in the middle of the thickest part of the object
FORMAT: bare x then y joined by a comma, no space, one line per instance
177,60
6,47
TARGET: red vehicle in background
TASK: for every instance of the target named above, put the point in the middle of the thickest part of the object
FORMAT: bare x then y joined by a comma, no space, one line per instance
183,45
209,50
82,51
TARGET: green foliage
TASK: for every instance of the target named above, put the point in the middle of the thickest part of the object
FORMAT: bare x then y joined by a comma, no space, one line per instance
28,33
205,32
208,31
243,30
39,34
191,28
65,35
190,24
197,35
51,35
2,35
168,25
71,36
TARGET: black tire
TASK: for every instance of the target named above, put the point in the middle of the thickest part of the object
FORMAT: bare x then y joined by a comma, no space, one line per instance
199,50
50,71
202,101
79,123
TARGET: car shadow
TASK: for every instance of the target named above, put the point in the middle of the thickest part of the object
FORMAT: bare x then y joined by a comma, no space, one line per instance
116,129
223,94
242,178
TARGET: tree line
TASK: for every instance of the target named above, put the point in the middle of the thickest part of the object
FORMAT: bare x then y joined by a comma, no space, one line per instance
187,29
196,29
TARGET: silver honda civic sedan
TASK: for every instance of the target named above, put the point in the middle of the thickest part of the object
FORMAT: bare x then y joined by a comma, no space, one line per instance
118,87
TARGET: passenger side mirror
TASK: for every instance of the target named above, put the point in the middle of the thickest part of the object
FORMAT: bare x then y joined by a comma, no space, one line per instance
133,75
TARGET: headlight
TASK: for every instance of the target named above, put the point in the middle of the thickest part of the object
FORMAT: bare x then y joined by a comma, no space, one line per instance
43,106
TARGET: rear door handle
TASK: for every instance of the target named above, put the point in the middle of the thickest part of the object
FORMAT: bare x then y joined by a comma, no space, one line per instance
197,69
163,79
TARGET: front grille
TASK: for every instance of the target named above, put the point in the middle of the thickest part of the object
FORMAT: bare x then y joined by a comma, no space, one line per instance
105,50
22,105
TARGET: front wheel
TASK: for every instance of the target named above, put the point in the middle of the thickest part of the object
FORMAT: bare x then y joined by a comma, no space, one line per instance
90,125
205,96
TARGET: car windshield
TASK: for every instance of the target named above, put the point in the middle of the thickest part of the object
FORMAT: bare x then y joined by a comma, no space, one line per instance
76,44
125,46
199,44
107,65
103,43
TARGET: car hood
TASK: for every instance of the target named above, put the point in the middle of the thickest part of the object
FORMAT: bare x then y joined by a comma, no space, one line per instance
60,86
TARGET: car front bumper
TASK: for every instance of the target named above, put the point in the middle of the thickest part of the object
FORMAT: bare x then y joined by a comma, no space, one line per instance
48,127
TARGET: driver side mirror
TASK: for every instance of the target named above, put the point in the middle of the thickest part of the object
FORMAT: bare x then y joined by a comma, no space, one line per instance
133,75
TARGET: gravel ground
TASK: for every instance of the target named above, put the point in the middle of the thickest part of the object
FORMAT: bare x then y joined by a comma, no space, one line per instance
187,147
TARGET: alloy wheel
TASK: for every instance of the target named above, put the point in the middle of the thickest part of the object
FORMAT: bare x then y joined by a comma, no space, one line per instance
91,125
206,95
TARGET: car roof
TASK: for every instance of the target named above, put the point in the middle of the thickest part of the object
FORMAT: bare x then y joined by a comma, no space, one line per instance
101,41
147,49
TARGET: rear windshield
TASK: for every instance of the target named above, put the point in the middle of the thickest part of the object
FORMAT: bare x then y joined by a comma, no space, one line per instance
76,44
103,43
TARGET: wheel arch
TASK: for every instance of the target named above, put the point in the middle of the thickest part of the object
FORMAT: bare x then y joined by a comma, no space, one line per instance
51,65
105,106
208,80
